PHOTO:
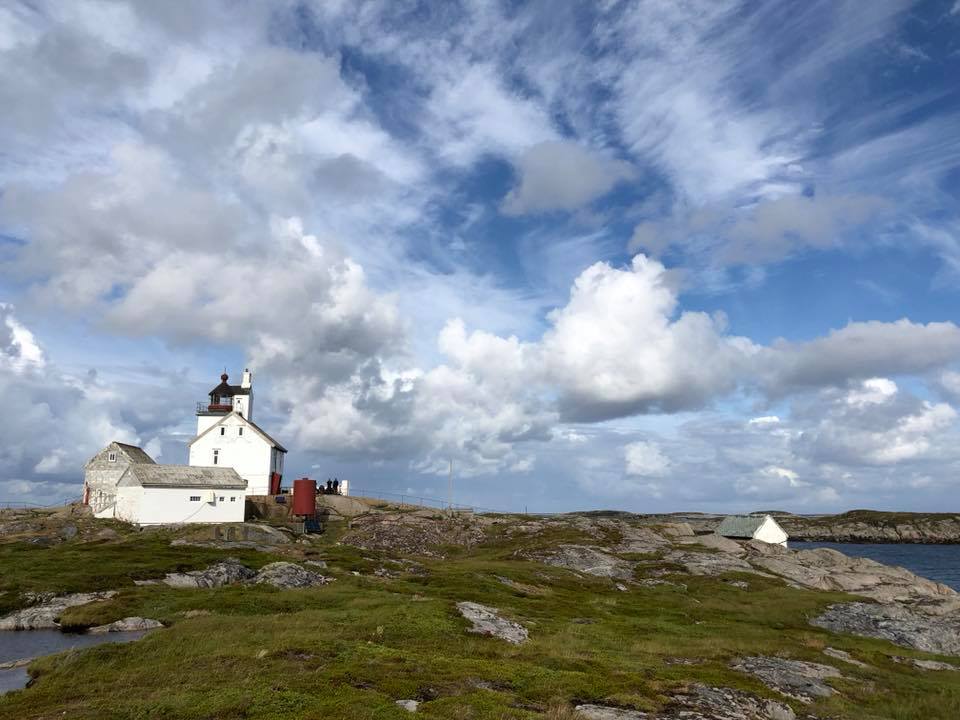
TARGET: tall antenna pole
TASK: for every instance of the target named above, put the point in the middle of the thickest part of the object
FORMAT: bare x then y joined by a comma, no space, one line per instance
450,486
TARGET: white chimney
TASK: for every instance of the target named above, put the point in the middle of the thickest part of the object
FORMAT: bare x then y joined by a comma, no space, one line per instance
246,381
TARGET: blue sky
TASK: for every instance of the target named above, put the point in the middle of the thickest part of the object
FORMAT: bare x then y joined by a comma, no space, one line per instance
645,255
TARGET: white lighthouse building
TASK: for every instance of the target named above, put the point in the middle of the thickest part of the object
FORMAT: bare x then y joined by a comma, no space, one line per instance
228,437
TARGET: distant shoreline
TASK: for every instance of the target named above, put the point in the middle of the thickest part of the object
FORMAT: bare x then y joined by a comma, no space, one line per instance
853,526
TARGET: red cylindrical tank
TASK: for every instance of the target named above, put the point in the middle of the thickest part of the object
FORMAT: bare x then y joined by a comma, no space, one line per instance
304,496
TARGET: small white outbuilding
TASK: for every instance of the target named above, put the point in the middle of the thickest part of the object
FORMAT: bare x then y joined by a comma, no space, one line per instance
123,482
753,527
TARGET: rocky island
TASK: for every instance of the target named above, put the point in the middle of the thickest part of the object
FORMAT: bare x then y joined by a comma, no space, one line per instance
396,611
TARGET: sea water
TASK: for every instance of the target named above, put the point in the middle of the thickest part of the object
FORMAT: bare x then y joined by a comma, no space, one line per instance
936,562
18,644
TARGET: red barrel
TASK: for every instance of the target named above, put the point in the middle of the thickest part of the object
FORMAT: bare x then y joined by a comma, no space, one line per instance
304,496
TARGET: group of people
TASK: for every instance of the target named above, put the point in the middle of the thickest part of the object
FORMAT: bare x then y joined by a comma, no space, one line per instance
332,488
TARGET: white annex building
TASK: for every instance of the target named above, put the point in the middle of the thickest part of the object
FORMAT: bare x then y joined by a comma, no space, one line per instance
228,437
230,458
123,482
753,527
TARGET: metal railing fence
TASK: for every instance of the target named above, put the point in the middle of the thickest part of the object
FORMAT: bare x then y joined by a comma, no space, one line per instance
420,501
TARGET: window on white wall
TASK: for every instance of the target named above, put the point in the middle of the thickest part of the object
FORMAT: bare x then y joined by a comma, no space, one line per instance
221,498
233,499
194,498
240,432
112,457
216,457
223,431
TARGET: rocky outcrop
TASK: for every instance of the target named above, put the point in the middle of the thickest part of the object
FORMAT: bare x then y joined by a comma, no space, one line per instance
586,559
901,625
227,572
715,542
640,540
712,703
826,569
804,681
248,536
700,702
711,563
128,624
45,615
231,571
285,575
486,621
422,532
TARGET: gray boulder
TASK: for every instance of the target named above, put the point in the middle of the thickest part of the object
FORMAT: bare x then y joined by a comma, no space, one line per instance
46,614
804,681
128,624
227,572
287,575
486,621
899,624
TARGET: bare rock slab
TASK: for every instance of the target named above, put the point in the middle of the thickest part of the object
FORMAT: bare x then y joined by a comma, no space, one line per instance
804,681
704,563
128,624
827,569
486,621
46,614
844,656
700,702
409,705
589,560
925,664
899,624
603,712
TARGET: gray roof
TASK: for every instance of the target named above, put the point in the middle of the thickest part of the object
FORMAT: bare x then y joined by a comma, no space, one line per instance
740,526
136,454
183,476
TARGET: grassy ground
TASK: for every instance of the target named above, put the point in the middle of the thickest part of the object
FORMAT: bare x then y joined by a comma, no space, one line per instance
351,648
